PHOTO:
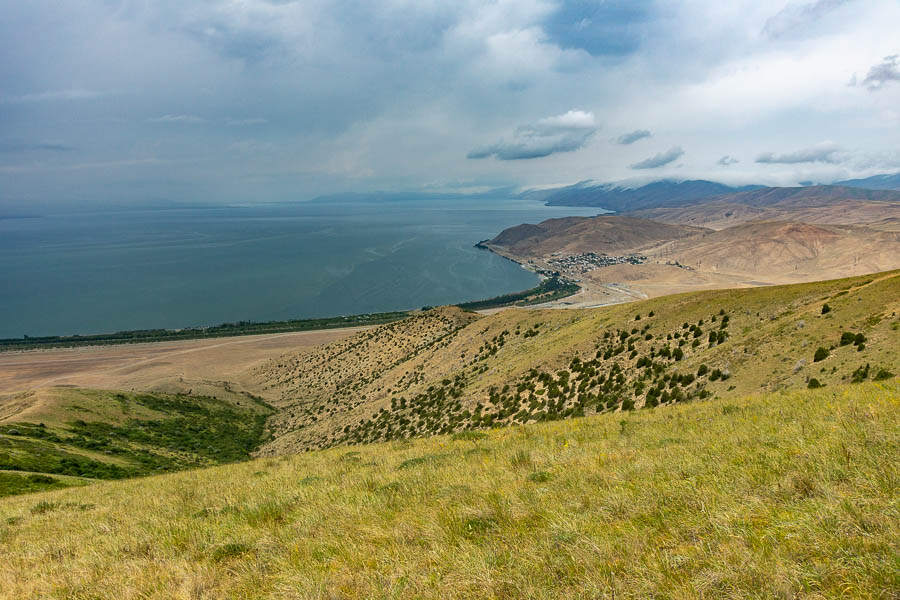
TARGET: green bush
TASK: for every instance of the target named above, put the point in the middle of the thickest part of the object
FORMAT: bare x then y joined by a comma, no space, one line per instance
821,354
826,309
813,384
860,374
539,477
883,374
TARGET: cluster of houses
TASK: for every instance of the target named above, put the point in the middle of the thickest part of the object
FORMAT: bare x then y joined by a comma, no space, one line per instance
576,264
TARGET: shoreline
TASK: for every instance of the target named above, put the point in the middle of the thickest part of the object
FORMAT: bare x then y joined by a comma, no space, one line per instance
591,297
224,330
250,328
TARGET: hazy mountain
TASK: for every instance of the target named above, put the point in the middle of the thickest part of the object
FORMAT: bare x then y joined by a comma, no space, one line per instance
876,182
831,204
815,194
620,198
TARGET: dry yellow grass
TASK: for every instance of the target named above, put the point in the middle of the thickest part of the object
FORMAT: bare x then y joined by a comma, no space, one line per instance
773,334
784,495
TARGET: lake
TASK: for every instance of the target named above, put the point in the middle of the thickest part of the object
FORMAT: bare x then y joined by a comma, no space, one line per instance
102,272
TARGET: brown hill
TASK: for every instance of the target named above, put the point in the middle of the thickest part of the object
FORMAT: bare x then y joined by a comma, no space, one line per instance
789,252
816,204
738,249
609,234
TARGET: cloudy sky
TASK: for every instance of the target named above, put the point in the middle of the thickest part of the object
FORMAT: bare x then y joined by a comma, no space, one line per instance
137,101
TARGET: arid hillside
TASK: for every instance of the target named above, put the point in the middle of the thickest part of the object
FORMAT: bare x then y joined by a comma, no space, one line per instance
757,237
878,209
779,252
447,371
605,233
315,390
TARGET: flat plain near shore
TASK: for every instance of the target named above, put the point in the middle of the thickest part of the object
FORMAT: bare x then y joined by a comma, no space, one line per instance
172,366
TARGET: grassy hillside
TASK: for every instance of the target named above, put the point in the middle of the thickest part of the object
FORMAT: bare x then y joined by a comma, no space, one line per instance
62,436
783,495
447,371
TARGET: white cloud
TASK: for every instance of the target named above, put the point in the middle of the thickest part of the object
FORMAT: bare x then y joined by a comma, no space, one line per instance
826,152
660,160
178,119
796,18
563,133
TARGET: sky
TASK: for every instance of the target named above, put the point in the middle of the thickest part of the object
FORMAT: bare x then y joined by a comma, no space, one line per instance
142,102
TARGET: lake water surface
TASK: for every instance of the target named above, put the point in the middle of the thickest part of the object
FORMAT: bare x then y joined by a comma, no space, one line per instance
103,272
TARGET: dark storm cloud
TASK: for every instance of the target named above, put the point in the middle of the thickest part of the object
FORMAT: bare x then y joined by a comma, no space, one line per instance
885,72
278,99
823,153
632,137
610,28
660,160
562,133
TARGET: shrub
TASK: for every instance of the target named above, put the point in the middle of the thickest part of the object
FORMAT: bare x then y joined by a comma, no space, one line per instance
539,477
847,338
703,370
826,309
860,374
43,507
233,550
883,374
821,354
813,384
40,479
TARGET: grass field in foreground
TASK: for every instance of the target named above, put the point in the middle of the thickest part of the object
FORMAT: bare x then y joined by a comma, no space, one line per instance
784,495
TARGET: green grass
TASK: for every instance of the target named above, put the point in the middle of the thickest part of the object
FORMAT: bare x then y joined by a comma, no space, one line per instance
782,495
21,483
549,289
112,435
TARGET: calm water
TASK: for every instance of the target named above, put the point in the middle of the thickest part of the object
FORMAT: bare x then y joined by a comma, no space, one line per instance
84,273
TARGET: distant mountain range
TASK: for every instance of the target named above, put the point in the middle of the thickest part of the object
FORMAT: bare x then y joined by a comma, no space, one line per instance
876,182
671,193
620,198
